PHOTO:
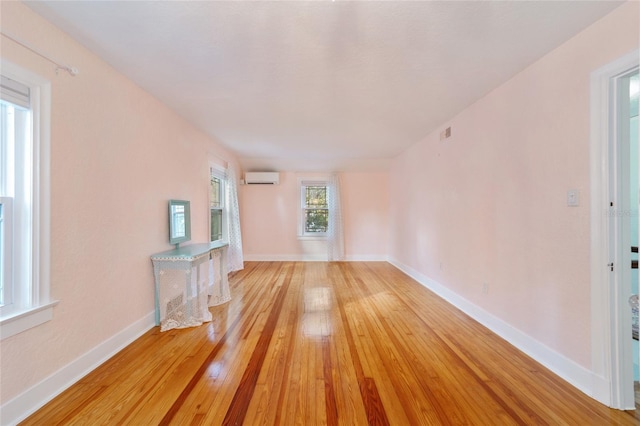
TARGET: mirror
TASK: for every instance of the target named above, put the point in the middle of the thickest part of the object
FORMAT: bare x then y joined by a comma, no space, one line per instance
179,222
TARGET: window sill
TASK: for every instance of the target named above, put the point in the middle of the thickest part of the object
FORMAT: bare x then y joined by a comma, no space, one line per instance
312,237
20,321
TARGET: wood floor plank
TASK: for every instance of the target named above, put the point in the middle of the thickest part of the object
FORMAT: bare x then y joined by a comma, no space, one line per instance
420,402
444,362
244,347
328,344
244,393
188,389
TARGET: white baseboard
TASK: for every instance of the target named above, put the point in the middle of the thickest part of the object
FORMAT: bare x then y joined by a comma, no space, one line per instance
309,258
366,258
25,404
577,375
284,258
601,389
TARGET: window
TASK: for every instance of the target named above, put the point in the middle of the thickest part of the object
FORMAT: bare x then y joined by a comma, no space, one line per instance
15,192
217,195
24,201
314,209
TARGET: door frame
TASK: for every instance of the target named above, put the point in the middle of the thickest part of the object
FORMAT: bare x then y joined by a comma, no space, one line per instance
611,350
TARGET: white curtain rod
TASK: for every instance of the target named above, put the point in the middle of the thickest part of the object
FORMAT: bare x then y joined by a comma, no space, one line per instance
73,71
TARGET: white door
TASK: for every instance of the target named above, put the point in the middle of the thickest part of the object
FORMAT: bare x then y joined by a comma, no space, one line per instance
625,181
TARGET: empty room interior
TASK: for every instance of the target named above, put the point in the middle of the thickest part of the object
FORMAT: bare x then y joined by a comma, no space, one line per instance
326,212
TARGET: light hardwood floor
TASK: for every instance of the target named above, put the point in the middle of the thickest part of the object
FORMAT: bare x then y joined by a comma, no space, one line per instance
326,343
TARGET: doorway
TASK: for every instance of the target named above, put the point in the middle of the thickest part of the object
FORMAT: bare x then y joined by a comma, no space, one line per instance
614,230
623,155
634,218
624,225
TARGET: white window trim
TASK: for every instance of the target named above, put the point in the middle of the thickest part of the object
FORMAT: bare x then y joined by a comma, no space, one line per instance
7,234
20,321
221,173
302,183
41,309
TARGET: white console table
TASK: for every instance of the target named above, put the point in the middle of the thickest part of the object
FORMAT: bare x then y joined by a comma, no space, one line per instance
188,280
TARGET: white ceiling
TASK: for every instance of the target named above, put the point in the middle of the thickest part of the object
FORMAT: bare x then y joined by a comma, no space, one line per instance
320,85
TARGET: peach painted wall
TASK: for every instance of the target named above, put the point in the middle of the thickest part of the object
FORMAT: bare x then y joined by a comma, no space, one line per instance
117,156
365,210
269,219
489,204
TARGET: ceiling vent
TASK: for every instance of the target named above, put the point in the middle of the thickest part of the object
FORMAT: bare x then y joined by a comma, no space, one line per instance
262,178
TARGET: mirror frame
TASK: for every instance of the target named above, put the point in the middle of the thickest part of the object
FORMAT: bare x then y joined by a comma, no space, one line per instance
174,236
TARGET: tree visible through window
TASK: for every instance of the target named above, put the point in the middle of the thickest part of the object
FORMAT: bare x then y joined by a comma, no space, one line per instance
316,209
216,207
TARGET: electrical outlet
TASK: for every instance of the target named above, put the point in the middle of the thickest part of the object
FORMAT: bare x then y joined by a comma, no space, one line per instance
485,288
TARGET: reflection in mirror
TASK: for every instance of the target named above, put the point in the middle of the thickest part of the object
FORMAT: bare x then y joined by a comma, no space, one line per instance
177,216
179,222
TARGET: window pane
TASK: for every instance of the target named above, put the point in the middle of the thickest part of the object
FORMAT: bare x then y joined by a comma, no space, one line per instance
316,220
316,197
216,224
216,193
9,118
15,168
2,255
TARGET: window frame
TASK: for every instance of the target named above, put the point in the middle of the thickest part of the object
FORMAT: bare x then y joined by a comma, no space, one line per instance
219,173
6,240
35,306
303,234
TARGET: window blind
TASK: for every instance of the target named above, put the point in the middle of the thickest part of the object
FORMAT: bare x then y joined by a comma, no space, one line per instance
14,92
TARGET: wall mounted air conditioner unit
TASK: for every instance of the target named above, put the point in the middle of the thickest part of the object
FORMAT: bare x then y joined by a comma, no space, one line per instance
262,178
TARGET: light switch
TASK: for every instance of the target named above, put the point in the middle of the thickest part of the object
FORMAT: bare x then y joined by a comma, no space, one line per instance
573,198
